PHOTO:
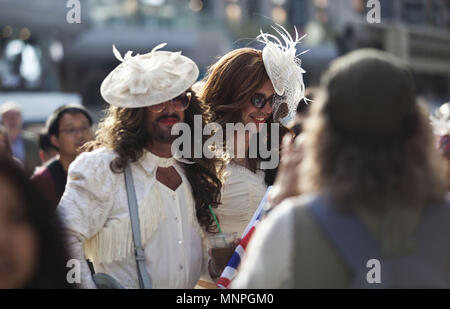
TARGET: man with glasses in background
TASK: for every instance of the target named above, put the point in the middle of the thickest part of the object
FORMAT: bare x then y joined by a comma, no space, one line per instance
68,128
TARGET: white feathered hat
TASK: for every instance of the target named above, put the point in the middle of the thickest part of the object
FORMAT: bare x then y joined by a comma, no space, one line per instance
285,72
149,79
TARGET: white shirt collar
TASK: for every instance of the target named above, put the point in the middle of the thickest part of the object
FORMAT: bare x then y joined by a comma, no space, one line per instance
150,161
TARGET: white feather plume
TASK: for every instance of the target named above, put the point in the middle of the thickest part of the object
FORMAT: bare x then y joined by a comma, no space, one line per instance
284,69
440,120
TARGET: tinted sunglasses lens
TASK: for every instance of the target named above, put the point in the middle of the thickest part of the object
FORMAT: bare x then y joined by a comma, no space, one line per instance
258,100
157,108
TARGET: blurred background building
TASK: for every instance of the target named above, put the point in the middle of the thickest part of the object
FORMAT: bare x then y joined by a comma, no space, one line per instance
41,52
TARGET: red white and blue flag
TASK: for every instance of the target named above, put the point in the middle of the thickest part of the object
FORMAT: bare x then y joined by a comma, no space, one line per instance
231,270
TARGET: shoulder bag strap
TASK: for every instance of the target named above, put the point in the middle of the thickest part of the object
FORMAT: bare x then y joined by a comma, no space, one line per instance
144,278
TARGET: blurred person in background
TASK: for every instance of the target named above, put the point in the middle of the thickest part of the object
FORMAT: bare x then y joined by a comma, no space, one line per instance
68,128
24,144
46,149
373,188
440,121
32,251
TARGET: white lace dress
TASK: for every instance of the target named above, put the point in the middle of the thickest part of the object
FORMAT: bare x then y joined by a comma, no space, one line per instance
242,192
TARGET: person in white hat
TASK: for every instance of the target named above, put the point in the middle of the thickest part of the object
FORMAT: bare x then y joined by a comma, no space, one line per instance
252,87
148,95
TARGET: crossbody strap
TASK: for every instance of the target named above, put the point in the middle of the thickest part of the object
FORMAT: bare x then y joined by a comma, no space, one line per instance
144,278
346,232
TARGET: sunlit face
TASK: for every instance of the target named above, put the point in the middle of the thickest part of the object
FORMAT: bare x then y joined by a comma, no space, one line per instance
18,242
159,124
252,114
74,132
12,119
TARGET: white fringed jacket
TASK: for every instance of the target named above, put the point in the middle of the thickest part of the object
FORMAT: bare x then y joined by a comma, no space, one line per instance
95,212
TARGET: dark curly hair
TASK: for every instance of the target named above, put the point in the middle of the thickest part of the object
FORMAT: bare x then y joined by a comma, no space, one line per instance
123,130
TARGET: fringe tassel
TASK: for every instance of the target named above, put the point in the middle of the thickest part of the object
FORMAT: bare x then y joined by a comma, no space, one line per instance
115,241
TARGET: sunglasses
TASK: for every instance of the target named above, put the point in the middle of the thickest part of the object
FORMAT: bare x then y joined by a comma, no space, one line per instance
259,100
180,103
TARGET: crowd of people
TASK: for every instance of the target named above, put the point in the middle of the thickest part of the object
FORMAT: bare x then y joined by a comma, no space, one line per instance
360,177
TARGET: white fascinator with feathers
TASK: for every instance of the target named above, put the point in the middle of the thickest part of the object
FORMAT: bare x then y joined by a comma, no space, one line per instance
149,79
285,71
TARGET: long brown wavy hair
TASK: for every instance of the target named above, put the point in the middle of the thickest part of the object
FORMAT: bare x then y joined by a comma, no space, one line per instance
228,87
123,130
402,168
366,173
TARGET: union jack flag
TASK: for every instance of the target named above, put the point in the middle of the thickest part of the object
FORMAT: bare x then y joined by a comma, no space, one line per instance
231,270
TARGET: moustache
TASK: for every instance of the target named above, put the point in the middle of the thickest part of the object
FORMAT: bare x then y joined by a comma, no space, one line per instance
168,116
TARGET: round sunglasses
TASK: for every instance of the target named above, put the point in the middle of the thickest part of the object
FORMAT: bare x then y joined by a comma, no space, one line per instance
259,100
179,103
